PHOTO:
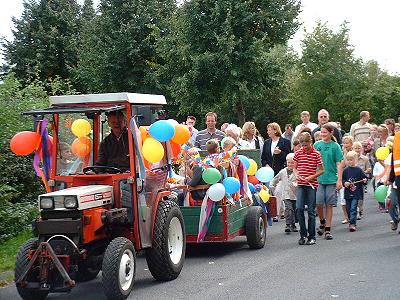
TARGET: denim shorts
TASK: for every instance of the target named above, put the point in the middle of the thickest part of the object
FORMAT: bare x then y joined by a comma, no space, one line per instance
326,194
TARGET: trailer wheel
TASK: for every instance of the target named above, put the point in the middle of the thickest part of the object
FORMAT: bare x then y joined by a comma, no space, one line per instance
255,228
165,258
119,268
21,263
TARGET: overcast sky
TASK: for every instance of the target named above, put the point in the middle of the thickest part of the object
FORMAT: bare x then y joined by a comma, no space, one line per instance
373,25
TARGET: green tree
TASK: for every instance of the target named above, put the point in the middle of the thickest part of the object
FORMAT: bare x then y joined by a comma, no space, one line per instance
44,44
219,55
331,77
121,51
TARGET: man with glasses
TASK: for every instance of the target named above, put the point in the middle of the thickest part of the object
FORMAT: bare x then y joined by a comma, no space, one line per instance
323,118
190,122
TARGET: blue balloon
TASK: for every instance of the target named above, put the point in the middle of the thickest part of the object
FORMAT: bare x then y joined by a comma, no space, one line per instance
265,174
251,187
231,184
162,130
245,161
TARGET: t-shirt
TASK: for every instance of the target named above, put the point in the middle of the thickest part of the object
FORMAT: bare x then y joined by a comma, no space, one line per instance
353,174
363,163
331,155
203,136
307,163
360,132
378,170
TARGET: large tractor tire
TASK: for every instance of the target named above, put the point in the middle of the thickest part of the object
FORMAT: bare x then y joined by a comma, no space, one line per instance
21,263
165,258
119,268
256,230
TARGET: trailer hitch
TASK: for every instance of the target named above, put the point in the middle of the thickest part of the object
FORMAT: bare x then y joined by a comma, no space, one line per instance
46,255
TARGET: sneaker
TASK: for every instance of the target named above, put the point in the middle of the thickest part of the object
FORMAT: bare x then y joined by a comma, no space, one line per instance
293,228
287,228
282,217
310,242
275,219
302,241
328,235
345,221
394,226
352,227
358,217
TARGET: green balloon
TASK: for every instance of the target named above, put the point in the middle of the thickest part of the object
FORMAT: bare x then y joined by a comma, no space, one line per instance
381,193
211,176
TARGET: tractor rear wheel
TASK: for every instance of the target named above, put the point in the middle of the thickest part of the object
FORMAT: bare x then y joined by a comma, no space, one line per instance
21,263
255,227
119,268
165,258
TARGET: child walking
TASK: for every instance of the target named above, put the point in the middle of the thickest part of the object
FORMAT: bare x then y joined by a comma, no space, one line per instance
346,147
307,167
354,179
363,162
287,181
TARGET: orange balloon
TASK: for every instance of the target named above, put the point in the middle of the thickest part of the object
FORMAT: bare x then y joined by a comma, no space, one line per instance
81,146
176,149
24,142
253,180
182,134
144,132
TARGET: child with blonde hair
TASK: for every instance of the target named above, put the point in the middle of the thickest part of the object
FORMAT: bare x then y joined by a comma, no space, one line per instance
229,143
346,147
363,162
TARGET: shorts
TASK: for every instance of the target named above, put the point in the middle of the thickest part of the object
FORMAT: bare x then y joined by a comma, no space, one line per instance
326,194
341,197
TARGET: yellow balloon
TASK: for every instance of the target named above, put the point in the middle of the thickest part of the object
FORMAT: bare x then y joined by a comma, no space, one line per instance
264,195
382,152
81,127
253,167
152,150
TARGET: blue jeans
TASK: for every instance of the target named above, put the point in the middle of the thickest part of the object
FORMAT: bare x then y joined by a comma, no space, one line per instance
306,196
351,207
394,205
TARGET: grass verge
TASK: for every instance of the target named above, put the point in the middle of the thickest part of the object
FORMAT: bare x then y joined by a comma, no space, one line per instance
8,252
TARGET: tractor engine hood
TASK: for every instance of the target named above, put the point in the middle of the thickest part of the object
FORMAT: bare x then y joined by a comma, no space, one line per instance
82,197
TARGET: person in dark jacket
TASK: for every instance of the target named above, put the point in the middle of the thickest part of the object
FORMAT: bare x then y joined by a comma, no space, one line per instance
114,149
275,149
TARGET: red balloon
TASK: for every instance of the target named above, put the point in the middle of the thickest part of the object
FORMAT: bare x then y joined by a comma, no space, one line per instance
253,179
25,142
176,149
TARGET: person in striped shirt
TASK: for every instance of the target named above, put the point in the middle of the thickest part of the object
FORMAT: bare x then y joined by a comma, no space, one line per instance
307,167
209,133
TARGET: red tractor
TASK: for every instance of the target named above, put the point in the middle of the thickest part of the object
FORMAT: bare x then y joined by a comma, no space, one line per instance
96,218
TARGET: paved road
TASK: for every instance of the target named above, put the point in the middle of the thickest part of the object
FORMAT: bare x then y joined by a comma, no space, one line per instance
361,265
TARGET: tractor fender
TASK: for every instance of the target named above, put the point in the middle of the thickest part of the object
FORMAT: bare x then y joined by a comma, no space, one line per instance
160,196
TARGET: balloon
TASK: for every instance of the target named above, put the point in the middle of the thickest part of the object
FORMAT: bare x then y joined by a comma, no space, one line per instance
182,134
80,127
265,174
175,148
381,193
253,167
152,150
216,192
382,152
231,184
162,130
24,142
251,187
253,180
144,133
245,161
81,146
211,176
264,195
173,122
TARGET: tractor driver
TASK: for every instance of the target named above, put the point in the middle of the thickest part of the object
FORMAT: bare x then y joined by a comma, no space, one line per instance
114,149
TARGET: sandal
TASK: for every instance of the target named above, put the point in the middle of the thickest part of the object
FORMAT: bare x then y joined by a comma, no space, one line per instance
321,230
328,235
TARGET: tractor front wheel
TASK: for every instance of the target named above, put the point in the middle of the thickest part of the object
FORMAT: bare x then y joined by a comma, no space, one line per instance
119,268
166,256
21,263
255,227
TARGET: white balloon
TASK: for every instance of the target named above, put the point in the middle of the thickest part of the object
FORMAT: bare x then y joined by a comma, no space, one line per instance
173,122
216,192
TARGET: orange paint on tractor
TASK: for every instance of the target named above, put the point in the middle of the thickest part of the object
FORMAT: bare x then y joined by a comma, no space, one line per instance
92,219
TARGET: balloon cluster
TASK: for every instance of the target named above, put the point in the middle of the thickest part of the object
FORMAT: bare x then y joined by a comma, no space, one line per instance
163,131
82,145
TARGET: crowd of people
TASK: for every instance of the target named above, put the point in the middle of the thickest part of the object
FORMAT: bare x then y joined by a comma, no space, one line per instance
315,166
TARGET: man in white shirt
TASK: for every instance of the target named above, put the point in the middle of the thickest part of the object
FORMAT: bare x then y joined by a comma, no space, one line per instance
305,119
361,130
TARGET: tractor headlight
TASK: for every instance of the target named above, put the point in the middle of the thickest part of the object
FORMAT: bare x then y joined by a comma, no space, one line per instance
70,202
46,202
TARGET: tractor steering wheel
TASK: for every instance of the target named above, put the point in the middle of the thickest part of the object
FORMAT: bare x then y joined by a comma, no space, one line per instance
101,170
